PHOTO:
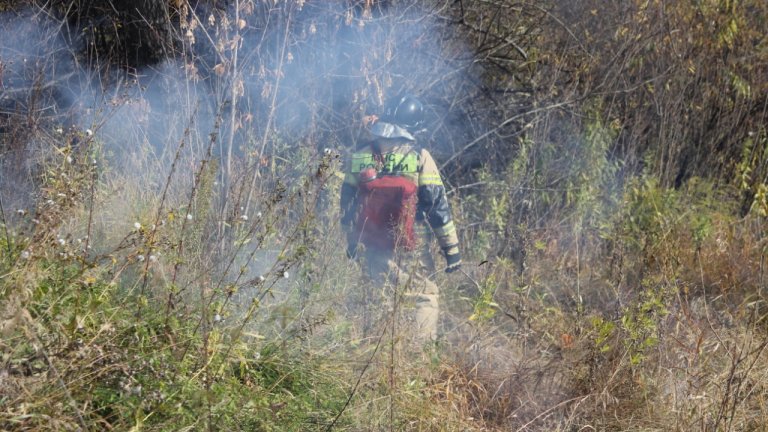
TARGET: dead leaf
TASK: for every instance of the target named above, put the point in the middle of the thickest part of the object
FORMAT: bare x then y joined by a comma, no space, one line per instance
566,341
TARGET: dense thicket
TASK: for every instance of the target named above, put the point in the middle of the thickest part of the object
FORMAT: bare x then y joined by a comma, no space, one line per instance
681,87
169,250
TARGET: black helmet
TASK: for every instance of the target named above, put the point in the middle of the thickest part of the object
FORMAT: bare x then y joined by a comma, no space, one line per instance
404,111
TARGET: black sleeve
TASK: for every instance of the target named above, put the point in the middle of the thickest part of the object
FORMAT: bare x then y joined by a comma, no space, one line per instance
433,204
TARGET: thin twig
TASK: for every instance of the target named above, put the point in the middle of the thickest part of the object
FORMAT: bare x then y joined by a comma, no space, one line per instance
272,109
549,411
5,227
30,328
92,203
226,173
360,377
501,125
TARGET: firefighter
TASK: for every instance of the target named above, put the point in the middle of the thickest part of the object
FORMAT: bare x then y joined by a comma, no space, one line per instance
392,188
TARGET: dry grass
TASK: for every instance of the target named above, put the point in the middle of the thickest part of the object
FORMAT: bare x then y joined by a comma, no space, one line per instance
571,343
231,305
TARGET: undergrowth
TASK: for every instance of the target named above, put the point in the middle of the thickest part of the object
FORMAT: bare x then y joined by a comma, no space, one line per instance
649,317
193,278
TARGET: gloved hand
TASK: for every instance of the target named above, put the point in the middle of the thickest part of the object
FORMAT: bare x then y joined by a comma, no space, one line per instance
453,262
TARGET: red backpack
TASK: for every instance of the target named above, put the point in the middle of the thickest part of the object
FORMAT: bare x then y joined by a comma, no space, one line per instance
387,211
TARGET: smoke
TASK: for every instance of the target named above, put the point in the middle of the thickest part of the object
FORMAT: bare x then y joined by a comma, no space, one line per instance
245,106
263,88
32,67
301,71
